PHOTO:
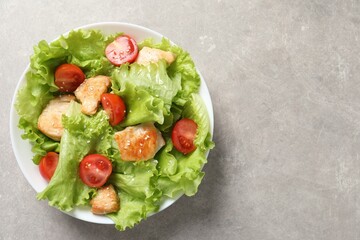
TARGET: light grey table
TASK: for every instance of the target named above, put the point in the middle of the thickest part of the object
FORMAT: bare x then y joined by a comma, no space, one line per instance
284,77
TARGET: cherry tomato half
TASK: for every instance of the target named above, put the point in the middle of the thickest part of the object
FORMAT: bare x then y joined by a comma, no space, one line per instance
94,170
68,77
114,106
47,165
123,49
183,135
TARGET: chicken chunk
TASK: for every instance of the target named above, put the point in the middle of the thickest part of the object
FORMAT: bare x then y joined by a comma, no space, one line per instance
89,93
49,122
152,55
139,143
105,201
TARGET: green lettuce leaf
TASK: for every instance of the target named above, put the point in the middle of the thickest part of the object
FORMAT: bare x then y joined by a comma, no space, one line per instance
168,162
148,92
188,175
132,211
139,194
183,66
82,135
141,106
139,182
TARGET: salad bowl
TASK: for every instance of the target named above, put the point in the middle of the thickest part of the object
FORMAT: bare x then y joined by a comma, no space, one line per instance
23,149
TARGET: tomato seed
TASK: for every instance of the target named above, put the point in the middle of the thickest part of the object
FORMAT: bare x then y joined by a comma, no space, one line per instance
186,143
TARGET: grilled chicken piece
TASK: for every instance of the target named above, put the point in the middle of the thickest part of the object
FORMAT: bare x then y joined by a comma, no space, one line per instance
139,143
152,55
49,122
105,201
89,93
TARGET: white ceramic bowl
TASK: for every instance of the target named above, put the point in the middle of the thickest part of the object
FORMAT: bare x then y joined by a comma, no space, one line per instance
22,148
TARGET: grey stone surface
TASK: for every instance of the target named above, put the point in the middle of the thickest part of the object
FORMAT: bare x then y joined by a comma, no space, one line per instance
284,80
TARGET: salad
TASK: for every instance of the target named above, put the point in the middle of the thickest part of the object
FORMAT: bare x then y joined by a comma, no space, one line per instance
115,124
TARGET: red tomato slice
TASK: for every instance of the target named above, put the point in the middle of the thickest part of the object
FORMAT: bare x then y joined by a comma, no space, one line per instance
183,135
48,165
114,106
123,49
68,77
94,170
